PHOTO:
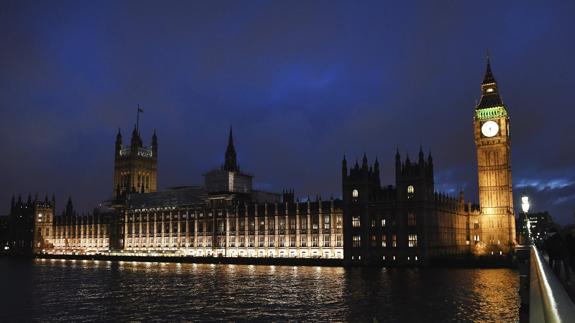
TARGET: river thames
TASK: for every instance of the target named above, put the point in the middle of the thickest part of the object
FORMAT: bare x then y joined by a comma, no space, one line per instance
66,290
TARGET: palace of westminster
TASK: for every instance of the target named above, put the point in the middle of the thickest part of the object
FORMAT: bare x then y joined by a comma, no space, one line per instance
408,222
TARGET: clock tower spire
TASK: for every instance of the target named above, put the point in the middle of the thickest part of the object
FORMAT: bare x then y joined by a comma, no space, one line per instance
492,141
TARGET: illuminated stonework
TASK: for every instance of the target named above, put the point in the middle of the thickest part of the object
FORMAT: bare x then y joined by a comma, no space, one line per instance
135,166
497,220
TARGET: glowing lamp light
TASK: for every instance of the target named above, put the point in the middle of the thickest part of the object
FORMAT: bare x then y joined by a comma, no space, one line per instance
525,204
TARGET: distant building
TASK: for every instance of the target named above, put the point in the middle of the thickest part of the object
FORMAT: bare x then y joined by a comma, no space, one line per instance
540,225
4,227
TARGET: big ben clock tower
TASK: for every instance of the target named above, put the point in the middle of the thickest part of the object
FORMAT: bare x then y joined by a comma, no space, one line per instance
491,126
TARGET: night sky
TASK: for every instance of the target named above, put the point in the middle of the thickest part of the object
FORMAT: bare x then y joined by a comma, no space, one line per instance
301,82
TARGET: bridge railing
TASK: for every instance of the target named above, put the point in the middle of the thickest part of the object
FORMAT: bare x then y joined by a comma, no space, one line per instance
548,300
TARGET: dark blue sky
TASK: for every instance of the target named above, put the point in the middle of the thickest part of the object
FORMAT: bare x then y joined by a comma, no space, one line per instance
302,83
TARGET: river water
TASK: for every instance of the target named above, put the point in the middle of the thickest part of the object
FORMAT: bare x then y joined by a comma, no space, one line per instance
65,290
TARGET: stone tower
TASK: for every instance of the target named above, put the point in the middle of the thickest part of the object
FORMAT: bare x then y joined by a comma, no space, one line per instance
43,225
135,166
491,128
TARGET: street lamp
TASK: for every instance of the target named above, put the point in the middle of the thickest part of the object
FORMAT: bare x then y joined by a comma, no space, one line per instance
525,207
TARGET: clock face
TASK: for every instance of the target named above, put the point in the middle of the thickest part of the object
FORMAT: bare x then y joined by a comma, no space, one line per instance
490,128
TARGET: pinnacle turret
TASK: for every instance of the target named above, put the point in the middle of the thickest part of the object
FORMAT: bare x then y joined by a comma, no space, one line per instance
231,164
489,91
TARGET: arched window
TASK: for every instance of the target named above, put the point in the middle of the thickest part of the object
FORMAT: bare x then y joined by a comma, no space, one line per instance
355,193
410,189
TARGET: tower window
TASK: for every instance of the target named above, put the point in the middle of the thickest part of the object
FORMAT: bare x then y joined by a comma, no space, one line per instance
355,193
411,221
412,240
356,241
355,222
410,189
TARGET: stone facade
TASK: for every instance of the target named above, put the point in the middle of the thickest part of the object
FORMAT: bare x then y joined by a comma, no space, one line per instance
492,139
135,166
405,223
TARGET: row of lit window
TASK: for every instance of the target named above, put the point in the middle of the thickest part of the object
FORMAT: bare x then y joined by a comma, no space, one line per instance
411,241
416,258
410,192
356,222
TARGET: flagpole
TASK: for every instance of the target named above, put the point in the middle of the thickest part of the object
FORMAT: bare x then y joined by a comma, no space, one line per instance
138,120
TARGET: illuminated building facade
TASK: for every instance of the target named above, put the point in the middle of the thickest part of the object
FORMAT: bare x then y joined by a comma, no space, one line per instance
223,218
407,223
492,140
135,166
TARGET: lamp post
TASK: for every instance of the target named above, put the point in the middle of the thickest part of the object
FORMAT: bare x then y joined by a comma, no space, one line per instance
525,207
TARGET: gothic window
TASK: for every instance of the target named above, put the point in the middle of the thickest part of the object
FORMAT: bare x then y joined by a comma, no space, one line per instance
315,222
411,221
271,241
383,223
326,222
326,240
384,241
355,222
410,191
315,240
262,225
355,193
356,241
303,223
412,240
303,241
394,241
338,222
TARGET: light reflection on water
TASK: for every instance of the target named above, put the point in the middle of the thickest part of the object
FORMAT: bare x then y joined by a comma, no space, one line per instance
141,291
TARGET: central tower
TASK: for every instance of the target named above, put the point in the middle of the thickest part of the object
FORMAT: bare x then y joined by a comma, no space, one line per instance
135,166
491,128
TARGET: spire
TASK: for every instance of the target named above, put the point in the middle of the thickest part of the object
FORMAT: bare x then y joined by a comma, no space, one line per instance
429,158
488,78
136,140
69,208
231,164
489,92
421,160
364,161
